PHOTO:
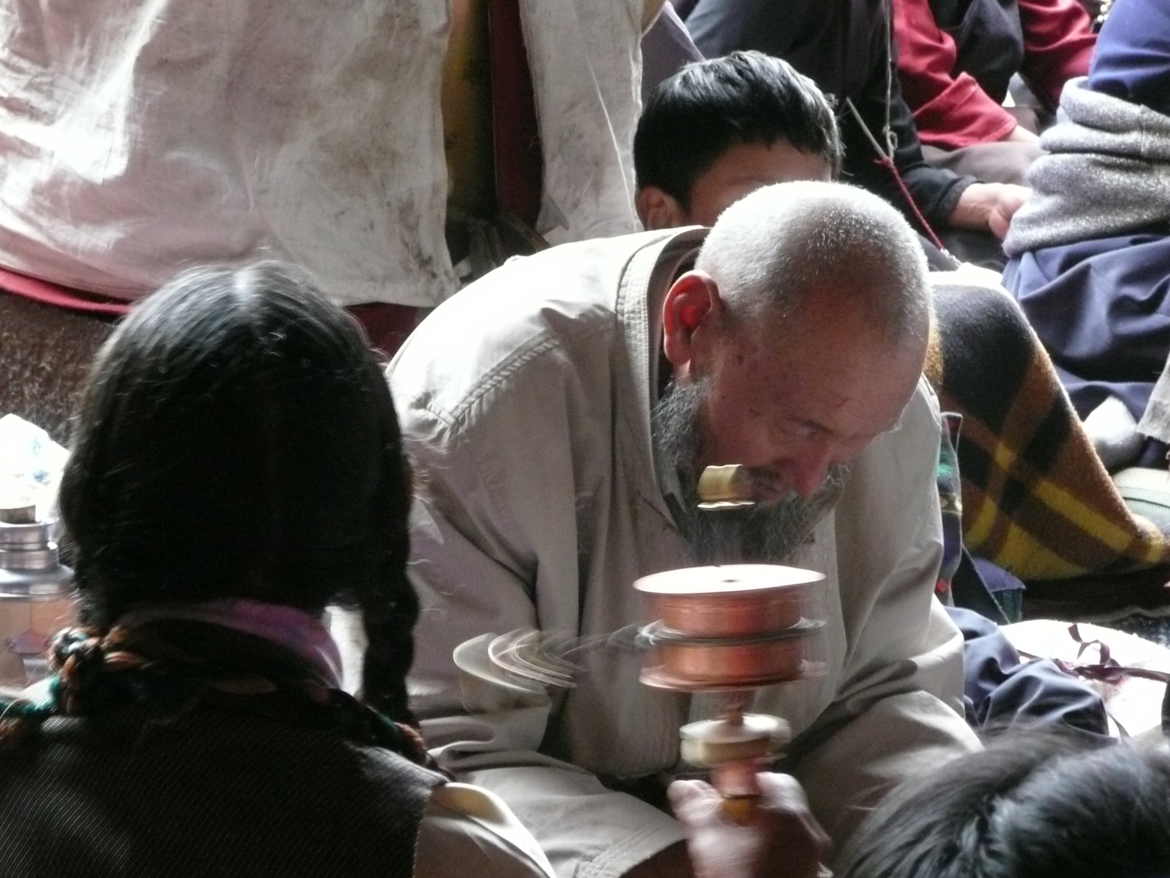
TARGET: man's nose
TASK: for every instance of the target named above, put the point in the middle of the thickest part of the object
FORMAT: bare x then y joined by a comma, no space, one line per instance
810,468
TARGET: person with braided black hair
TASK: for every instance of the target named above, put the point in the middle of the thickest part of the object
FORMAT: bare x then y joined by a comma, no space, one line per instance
237,467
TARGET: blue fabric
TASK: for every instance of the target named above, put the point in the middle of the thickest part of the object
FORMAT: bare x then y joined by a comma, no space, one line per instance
1102,309
1132,61
1003,691
996,578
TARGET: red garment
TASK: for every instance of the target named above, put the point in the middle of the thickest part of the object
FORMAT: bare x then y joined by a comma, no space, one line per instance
951,109
387,324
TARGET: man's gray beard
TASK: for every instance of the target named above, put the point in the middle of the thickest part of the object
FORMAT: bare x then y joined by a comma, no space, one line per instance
761,534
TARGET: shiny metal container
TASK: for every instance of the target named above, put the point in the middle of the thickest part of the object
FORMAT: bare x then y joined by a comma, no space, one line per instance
30,566
36,594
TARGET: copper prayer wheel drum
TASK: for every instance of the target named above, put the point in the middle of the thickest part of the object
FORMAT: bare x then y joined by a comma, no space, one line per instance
734,625
734,600
731,660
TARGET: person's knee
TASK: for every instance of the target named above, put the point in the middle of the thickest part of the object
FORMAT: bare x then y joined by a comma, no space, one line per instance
980,329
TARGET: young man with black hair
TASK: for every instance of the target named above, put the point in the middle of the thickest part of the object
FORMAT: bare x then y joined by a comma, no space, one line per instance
845,47
719,129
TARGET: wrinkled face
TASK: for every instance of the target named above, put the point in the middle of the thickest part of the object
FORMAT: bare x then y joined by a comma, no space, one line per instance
795,410
744,168
768,532
791,402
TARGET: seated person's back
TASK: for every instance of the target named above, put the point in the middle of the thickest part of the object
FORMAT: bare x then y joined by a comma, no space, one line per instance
236,467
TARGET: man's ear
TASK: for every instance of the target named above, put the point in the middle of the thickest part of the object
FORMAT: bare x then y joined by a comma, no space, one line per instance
658,210
691,309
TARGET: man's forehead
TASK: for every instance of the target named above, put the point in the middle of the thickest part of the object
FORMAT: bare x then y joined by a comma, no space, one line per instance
840,391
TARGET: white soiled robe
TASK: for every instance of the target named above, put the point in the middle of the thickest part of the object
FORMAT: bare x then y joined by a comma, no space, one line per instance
141,138
540,505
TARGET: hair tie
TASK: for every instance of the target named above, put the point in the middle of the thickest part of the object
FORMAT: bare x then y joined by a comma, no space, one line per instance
77,654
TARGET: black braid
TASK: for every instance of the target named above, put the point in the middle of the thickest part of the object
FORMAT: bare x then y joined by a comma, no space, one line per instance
390,605
388,619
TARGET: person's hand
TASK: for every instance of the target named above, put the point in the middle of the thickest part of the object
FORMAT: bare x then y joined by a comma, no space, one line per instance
989,206
1020,134
781,839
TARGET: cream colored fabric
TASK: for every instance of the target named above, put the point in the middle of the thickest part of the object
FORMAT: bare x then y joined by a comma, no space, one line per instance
141,138
539,505
468,832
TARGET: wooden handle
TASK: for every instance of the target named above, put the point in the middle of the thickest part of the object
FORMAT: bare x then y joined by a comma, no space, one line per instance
740,809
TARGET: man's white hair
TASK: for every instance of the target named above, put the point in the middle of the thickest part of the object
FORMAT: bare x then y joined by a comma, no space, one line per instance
790,241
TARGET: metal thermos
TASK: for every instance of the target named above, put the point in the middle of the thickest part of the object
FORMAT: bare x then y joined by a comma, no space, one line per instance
36,594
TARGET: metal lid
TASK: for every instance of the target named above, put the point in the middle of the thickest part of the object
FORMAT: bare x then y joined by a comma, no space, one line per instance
29,563
728,579
17,512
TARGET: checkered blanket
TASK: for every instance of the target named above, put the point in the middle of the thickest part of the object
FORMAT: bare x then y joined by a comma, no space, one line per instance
1036,499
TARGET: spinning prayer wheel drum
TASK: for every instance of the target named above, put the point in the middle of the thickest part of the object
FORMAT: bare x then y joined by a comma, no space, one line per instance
730,629
733,625
733,600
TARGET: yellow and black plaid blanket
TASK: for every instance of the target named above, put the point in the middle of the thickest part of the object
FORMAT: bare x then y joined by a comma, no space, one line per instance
1036,498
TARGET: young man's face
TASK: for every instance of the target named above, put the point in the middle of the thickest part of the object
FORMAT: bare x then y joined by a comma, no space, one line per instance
740,170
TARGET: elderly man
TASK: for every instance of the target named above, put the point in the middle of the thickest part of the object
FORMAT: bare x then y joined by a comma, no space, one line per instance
559,411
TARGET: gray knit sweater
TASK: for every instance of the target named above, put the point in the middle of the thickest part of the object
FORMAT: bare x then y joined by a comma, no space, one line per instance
1107,172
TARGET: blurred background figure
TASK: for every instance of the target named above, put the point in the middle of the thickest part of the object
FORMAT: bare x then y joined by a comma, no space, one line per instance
1091,253
957,61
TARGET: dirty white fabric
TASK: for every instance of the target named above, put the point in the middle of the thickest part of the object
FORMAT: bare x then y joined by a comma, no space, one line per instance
539,506
586,65
139,138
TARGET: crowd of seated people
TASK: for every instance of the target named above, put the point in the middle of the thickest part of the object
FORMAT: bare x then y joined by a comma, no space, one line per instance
241,460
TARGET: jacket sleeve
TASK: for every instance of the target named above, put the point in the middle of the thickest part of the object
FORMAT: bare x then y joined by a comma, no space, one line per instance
897,711
1058,45
482,556
950,108
935,191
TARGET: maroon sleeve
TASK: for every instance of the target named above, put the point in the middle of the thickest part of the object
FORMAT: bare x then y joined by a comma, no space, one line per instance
1058,45
950,109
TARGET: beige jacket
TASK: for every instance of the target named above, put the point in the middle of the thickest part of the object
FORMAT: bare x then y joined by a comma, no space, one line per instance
525,400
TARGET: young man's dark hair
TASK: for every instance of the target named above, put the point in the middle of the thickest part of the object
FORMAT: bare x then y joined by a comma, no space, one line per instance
695,116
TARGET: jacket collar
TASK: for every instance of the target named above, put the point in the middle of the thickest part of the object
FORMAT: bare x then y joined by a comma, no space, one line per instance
641,290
